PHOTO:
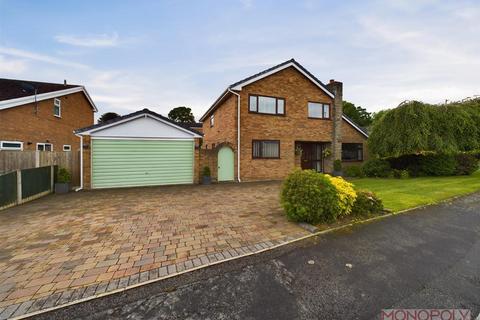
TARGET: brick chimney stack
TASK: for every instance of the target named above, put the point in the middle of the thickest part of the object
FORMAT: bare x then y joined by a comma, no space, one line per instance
336,88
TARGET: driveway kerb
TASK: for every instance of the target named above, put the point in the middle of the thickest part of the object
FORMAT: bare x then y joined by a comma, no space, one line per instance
269,246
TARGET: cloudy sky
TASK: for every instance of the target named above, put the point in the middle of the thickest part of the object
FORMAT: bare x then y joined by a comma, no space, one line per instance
162,54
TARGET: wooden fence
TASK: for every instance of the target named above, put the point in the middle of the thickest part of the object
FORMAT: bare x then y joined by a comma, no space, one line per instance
19,160
21,186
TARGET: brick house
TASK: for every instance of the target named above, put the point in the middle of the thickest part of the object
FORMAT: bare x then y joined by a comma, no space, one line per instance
42,116
280,118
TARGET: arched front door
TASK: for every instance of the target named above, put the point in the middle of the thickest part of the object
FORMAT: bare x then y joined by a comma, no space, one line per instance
225,164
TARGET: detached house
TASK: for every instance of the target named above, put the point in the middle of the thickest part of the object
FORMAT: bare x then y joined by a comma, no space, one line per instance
267,124
42,116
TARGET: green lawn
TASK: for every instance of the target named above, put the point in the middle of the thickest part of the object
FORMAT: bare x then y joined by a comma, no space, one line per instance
398,194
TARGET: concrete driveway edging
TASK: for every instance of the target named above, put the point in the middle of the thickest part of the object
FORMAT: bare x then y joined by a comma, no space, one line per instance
247,251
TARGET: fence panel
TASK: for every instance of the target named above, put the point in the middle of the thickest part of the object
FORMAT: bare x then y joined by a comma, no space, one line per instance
35,181
16,160
8,189
19,160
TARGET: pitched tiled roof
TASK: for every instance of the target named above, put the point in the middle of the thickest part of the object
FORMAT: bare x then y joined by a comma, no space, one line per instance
276,67
12,88
134,114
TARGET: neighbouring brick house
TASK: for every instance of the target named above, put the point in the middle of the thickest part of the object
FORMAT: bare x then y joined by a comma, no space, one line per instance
281,118
42,116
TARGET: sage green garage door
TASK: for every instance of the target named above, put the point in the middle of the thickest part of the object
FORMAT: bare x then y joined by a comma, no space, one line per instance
123,163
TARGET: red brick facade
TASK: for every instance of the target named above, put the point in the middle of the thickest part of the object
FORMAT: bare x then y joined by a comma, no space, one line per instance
33,124
294,126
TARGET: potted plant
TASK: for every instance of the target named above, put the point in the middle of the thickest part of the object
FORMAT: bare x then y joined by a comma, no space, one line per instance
206,175
337,168
63,181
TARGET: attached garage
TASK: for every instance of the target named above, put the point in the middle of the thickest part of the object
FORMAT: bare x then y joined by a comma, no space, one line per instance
140,149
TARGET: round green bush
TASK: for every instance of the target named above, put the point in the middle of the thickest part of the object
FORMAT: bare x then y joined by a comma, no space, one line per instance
377,168
308,196
367,203
354,172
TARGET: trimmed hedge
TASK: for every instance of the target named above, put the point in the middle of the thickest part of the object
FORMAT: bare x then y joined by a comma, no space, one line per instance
308,196
433,164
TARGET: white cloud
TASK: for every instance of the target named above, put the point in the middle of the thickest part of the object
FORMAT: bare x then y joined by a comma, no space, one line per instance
247,4
101,40
39,57
12,66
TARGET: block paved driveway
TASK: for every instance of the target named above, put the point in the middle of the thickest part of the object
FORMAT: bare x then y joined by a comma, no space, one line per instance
64,248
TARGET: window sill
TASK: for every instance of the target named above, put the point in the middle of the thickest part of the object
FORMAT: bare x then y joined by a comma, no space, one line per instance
267,114
57,116
314,118
266,158
352,160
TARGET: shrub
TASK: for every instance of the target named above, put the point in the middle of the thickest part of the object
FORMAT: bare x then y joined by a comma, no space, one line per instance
354,171
401,174
63,176
346,194
337,165
438,164
309,196
466,164
367,203
377,168
206,172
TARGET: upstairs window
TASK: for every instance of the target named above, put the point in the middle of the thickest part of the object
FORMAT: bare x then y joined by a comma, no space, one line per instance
212,120
352,151
265,149
266,105
318,110
57,107
11,145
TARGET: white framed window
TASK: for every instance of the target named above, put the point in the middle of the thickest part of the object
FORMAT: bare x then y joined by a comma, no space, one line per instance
44,147
67,147
266,105
212,120
318,110
11,145
57,108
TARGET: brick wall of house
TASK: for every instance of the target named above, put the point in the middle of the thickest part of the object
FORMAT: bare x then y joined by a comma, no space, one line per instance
351,135
294,126
33,125
223,132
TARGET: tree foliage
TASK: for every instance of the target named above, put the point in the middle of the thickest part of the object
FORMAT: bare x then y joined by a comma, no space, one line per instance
181,115
416,127
108,116
358,114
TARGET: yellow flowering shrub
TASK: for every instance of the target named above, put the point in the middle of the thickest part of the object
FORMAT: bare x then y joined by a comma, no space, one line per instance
346,194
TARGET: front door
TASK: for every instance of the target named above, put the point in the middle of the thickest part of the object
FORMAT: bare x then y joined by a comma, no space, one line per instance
312,155
225,164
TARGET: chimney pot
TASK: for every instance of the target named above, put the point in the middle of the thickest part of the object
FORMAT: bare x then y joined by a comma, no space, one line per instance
64,82
332,80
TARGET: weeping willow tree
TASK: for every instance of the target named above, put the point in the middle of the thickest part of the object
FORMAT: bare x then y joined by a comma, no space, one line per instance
417,127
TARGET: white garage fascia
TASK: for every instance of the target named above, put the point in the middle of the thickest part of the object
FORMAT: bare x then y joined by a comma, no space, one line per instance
142,126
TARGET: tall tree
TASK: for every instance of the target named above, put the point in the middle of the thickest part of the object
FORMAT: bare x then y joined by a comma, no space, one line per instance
416,127
181,115
108,116
358,114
